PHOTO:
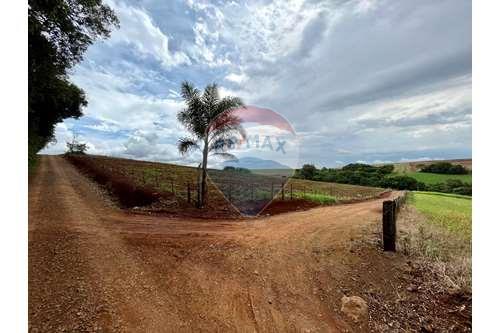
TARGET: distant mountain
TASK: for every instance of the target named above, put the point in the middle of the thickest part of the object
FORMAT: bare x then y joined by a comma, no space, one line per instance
254,163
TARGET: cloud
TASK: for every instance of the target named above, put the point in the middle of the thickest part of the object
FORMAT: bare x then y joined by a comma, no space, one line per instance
137,29
236,78
372,80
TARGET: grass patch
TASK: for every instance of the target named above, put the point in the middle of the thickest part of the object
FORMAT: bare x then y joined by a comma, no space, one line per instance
451,195
452,212
322,199
436,228
435,178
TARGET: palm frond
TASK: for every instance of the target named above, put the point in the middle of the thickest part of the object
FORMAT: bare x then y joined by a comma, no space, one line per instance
193,117
211,98
185,145
188,91
229,103
226,125
222,144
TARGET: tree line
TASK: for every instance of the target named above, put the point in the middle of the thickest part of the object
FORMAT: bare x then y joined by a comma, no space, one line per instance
445,168
378,176
59,33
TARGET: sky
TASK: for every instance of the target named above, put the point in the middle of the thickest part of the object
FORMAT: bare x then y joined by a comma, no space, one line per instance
360,81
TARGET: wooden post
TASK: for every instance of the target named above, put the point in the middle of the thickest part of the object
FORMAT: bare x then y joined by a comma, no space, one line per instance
389,225
395,208
272,191
172,185
291,192
230,194
251,191
283,191
189,192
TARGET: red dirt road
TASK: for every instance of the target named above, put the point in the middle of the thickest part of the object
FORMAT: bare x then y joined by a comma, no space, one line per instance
93,267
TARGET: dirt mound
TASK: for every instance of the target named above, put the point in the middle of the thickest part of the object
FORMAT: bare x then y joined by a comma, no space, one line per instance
280,206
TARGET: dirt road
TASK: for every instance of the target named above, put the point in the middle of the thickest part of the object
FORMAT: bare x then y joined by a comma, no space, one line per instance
93,267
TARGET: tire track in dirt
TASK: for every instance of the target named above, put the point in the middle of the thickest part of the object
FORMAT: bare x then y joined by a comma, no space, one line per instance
77,254
96,268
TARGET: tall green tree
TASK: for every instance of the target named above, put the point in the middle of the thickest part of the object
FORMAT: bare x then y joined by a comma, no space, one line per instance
212,125
59,32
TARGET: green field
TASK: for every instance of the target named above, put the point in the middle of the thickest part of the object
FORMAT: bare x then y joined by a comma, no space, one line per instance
434,178
453,212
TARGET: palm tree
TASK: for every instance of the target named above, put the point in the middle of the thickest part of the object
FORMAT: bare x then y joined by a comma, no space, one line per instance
210,121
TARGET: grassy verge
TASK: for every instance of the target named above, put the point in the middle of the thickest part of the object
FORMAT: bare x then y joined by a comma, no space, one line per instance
452,212
437,229
322,199
435,178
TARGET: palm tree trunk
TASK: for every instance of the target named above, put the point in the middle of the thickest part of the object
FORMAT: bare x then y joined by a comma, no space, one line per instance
204,188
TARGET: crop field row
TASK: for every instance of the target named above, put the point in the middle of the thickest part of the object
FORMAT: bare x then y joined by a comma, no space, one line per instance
249,193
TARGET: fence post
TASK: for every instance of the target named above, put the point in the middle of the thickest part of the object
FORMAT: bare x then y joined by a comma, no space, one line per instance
230,195
172,185
282,191
272,190
189,192
291,192
395,209
389,225
251,189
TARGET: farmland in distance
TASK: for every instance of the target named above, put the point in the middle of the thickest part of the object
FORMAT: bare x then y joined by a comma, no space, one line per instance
174,187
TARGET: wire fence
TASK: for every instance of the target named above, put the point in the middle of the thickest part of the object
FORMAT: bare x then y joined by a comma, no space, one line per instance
243,191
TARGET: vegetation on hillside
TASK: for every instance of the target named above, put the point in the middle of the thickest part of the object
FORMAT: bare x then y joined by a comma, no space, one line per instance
381,176
59,33
436,178
445,168
237,169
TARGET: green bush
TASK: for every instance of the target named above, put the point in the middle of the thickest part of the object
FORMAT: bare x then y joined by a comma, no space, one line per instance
368,175
445,168
237,169
400,183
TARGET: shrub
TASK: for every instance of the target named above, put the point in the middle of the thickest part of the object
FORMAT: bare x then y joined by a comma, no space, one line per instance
237,169
400,183
445,168
360,167
386,169
308,171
